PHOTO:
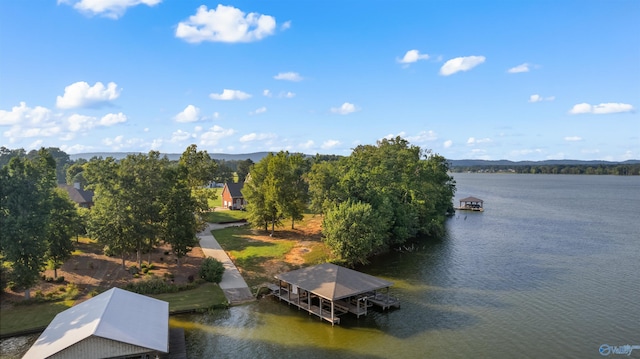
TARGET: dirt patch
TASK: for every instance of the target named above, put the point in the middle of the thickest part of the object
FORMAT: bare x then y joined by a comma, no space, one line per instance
306,236
90,270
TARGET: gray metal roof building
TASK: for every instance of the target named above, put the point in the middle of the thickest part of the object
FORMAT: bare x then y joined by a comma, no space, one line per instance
114,324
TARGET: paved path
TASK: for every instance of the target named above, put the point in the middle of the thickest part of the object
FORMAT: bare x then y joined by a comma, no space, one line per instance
232,284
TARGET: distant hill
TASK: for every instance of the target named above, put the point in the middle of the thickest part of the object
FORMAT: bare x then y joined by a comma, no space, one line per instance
257,156
485,163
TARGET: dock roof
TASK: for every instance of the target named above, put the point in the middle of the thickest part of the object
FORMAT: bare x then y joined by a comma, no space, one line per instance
117,315
333,282
471,199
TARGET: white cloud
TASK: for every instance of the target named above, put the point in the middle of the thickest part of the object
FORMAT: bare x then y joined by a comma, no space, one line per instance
257,137
307,145
345,109
258,111
77,148
520,68
603,108
473,140
111,119
22,114
447,144
573,138
460,64
423,136
267,93
81,123
80,94
189,114
228,95
225,24
288,76
330,144
179,136
289,95
29,122
413,56
286,25
537,98
215,134
108,8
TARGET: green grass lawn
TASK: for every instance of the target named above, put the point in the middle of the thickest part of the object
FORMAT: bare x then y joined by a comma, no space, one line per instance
205,296
225,216
250,254
38,315
218,201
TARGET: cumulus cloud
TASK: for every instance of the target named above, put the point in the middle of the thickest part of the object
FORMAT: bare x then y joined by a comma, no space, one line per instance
345,109
447,143
473,140
213,135
603,108
460,64
112,9
412,56
307,145
225,24
179,136
258,111
537,98
257,137
330,144
111,119
228,95
423,136
77,148
189,114
520,68
80,94
267,93
573,138
288,94
23,114
288,76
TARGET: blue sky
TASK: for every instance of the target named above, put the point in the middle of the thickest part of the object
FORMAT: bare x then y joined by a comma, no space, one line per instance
518,80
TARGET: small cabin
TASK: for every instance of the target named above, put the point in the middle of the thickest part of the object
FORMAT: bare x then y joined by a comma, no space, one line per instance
471,204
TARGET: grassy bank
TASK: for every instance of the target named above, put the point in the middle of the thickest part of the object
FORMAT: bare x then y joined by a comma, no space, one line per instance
34,316
225,216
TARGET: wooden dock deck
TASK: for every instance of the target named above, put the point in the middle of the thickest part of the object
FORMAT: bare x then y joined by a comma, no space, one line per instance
177,346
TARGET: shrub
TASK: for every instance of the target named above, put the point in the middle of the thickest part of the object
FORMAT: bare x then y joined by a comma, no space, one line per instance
60,279
133,269
211,270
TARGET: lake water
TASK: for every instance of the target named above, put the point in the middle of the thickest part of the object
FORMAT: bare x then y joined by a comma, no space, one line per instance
550,269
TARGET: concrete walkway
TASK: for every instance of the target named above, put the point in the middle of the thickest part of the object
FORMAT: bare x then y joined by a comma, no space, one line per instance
232,284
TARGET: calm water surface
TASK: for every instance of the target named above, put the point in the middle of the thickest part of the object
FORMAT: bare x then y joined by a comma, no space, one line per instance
550,269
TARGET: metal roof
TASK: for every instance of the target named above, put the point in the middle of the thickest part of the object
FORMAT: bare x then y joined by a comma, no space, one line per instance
333,282
116,314
471,199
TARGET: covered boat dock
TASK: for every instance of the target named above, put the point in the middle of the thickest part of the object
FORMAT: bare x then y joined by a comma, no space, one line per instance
328,291
471,204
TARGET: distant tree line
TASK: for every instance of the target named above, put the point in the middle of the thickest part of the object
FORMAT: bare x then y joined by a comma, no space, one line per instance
569,169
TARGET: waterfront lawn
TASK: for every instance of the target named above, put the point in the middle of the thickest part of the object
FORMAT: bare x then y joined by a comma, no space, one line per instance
205,296
225,216
30,316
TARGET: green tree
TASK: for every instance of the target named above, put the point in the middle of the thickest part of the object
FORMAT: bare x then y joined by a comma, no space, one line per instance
211,270
179,225
243,169
353,231
25,191
62,226
200,171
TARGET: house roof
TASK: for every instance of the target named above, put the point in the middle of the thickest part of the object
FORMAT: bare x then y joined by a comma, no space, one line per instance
333,282
116,314
235,189
78,195
471,199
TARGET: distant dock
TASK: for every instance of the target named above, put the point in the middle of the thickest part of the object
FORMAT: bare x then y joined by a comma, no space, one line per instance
471,204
